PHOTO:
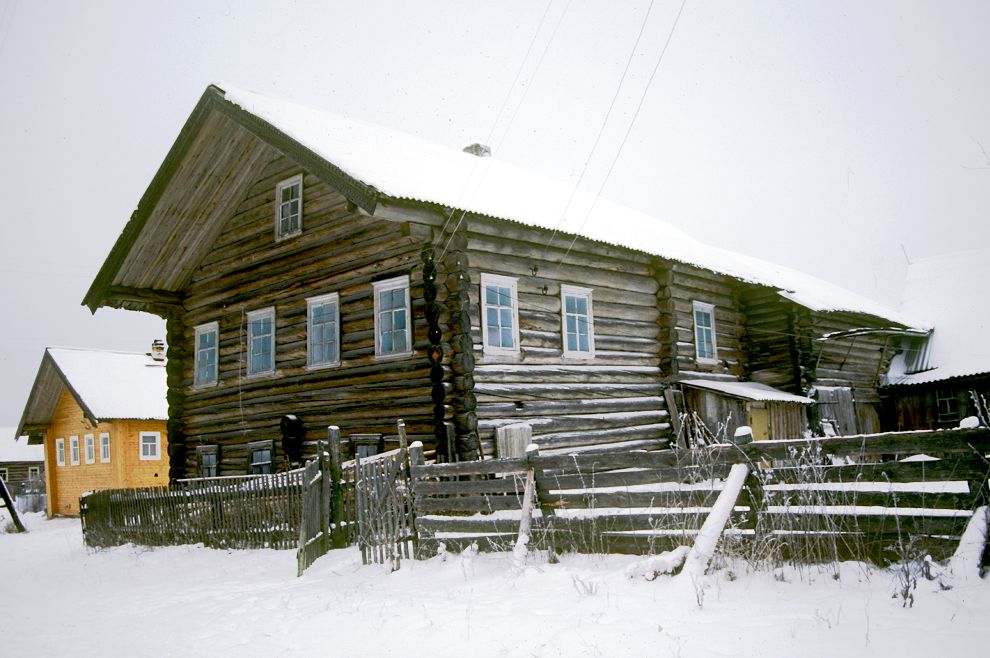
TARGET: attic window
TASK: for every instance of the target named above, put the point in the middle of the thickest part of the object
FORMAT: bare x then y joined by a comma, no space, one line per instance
288,207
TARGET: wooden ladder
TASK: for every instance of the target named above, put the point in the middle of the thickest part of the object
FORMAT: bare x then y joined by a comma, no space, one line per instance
8,502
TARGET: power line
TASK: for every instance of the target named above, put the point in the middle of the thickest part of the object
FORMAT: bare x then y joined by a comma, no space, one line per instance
601,129
491,132
632,122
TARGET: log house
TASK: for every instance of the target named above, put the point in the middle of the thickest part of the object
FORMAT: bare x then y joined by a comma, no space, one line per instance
101,419
273,233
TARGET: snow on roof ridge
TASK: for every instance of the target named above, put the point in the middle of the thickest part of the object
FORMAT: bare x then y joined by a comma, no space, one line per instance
95,350
447,176
115,384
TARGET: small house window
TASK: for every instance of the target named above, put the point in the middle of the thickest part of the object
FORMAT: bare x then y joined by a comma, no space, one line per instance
288,207
4,474
322,322
948,407
60,452
206,354
74,450
90,449
261,341
34,472
578,321
209,461
393,328
500,313
260,455
150,446
104,447
704,332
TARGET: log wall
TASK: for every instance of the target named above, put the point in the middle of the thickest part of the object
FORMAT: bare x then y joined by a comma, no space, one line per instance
772,339
614,400
339,251
681,286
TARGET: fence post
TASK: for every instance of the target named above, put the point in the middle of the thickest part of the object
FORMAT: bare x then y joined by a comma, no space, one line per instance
338,537
543,496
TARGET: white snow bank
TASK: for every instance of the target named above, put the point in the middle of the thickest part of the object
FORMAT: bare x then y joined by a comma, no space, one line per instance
191,601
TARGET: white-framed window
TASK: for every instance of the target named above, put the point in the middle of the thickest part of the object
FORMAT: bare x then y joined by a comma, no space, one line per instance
288,207
393,321
90,443
207,342
499,314
34,472
104,447
705,349
60,452
4,474
261,341
150,444
323,331
74,450
577,321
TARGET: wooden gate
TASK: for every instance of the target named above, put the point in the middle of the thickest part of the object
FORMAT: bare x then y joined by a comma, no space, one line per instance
314,526
328,519
384,507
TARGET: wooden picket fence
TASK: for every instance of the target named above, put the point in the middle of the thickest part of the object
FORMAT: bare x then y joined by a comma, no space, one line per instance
877,497
261,511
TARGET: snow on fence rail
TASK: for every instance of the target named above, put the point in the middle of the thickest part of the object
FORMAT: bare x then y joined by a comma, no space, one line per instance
261,511
805,500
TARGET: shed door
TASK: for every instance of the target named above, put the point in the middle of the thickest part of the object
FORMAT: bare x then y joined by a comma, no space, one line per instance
759,420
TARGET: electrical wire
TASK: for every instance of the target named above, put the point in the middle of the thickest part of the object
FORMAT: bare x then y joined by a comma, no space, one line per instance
601,128
632,122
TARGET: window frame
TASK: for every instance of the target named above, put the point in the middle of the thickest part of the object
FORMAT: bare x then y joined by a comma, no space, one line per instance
34,472
577,291
60,452
158,446
104,443
709,309
5,475
252,316
386,285
89,447
208,327
74,451
311,303
512,284
291,181
260,446
213,450
950,411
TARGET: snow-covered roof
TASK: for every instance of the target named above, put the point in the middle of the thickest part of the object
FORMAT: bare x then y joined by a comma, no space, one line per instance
951,292
106,384
747,391
16,449
115,384
401,166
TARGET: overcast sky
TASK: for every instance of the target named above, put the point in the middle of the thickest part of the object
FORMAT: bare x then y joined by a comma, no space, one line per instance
836,137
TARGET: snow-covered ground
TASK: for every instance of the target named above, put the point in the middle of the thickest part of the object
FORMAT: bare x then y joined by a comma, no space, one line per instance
61,599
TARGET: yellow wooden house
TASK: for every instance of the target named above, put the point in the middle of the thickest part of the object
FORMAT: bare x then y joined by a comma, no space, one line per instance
101,417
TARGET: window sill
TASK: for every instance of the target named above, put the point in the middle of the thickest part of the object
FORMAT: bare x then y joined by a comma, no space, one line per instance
392,357
322,366
287,236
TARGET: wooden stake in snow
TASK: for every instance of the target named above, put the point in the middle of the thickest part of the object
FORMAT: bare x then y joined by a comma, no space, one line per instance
525,522
704,544
8,502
